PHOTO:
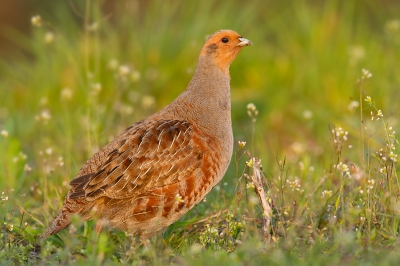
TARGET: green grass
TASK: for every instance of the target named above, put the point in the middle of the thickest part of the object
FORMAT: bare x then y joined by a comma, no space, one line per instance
90,70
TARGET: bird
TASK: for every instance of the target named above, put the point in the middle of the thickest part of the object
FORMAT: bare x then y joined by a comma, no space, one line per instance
159,168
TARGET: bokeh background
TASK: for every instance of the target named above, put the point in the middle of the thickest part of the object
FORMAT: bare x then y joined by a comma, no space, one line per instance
73,74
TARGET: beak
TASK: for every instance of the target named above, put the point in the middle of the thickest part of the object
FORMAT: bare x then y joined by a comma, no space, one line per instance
244,42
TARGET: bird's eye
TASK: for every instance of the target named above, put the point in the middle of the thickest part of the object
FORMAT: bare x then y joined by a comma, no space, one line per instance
225,40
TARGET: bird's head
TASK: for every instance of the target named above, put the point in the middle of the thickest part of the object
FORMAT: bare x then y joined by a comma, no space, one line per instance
223,46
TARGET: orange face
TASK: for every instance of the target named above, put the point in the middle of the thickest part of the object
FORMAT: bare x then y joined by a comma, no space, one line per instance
223,46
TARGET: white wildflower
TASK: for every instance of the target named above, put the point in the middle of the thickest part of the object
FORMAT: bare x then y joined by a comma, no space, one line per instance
353,105
124,70
4,133
36,21
27,168
148,101
66,94
49,37
326,193
366,74
241,144
307,114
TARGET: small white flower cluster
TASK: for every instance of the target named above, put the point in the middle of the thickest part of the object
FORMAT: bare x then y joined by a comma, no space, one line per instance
60,162
370,184
378,115
252,111
254,161
49,37
307,114
391,140
365,74
66,94
383,170
123,72
326,193
44,117
339,135
393,156
3,196
391,133
353,105
21,156
241,144
209,236
27,168
9,227
49,162
382,155
343,168
390,137
294,185
36,21
389,154
4,133
250,185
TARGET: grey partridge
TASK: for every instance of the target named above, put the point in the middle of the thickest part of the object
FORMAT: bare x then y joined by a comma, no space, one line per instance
159,168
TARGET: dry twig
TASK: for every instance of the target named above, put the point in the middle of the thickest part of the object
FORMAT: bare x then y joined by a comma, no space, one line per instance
257,181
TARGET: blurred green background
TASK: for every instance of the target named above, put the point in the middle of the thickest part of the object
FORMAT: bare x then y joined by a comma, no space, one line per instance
90,69
301,73
74,78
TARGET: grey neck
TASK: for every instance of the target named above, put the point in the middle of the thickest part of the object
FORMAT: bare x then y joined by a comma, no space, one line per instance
208,95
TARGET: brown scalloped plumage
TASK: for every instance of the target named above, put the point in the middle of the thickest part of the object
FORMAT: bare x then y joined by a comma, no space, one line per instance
159,168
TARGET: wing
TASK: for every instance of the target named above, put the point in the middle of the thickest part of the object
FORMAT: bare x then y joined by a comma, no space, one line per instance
154,154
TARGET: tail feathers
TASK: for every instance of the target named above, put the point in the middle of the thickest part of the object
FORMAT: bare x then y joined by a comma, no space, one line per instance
62,219
58,224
